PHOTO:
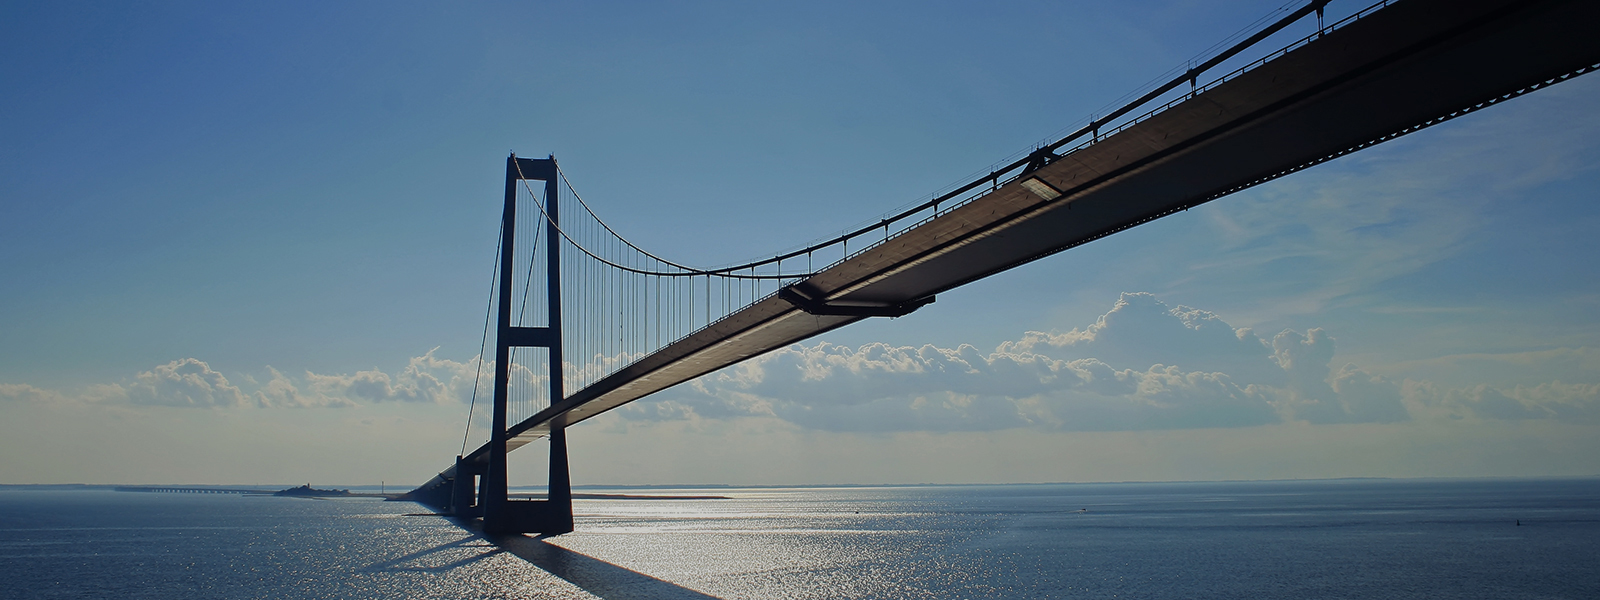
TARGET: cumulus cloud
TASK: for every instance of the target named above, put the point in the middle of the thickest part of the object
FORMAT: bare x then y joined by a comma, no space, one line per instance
1141,330
1364,397
1142,365
885,388
425,378
191,382
281,391
186,382
18,392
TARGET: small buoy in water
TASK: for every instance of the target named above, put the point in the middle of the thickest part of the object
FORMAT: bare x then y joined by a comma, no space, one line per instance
1519,522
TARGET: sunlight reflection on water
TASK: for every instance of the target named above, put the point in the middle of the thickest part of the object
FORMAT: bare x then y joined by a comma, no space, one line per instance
1268,539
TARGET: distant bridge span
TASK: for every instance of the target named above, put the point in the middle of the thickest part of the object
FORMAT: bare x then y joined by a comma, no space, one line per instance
1398,68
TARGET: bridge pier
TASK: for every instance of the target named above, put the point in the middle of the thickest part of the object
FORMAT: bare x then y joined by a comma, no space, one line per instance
463,492
551,516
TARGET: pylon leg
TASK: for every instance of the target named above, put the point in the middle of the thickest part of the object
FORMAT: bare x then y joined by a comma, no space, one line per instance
559,502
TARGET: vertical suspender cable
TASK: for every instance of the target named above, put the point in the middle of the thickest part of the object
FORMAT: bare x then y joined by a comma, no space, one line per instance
483,344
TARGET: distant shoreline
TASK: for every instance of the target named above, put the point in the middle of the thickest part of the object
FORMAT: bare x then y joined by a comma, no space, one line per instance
373,491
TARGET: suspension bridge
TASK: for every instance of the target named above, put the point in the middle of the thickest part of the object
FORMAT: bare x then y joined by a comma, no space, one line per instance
588,321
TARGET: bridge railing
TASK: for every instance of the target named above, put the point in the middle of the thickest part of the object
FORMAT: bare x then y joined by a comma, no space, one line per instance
1200,89
1098,129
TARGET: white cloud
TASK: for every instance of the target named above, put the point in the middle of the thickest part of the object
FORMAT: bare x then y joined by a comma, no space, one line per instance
377,386
1140,330
425,378
191,382
282,392
884,388
1142,365
21,392
187,382
1364,398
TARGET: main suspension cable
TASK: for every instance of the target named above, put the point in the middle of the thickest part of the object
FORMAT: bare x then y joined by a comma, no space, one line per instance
685,270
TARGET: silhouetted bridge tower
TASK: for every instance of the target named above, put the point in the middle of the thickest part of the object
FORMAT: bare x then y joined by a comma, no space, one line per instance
636,323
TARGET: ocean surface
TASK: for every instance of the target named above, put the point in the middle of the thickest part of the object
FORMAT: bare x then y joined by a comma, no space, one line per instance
1303,539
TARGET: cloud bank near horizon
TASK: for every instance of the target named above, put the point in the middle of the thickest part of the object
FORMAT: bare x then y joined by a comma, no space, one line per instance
1143,365
192,383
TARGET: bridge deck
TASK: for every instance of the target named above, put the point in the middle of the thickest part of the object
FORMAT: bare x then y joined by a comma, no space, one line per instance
1397,70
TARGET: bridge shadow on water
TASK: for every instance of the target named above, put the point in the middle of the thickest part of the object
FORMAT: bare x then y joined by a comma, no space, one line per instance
406,563
592,575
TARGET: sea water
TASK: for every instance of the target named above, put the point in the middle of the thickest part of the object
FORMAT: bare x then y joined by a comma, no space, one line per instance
1302,539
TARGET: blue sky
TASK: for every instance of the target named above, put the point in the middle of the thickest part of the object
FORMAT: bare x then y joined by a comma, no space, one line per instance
215,214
